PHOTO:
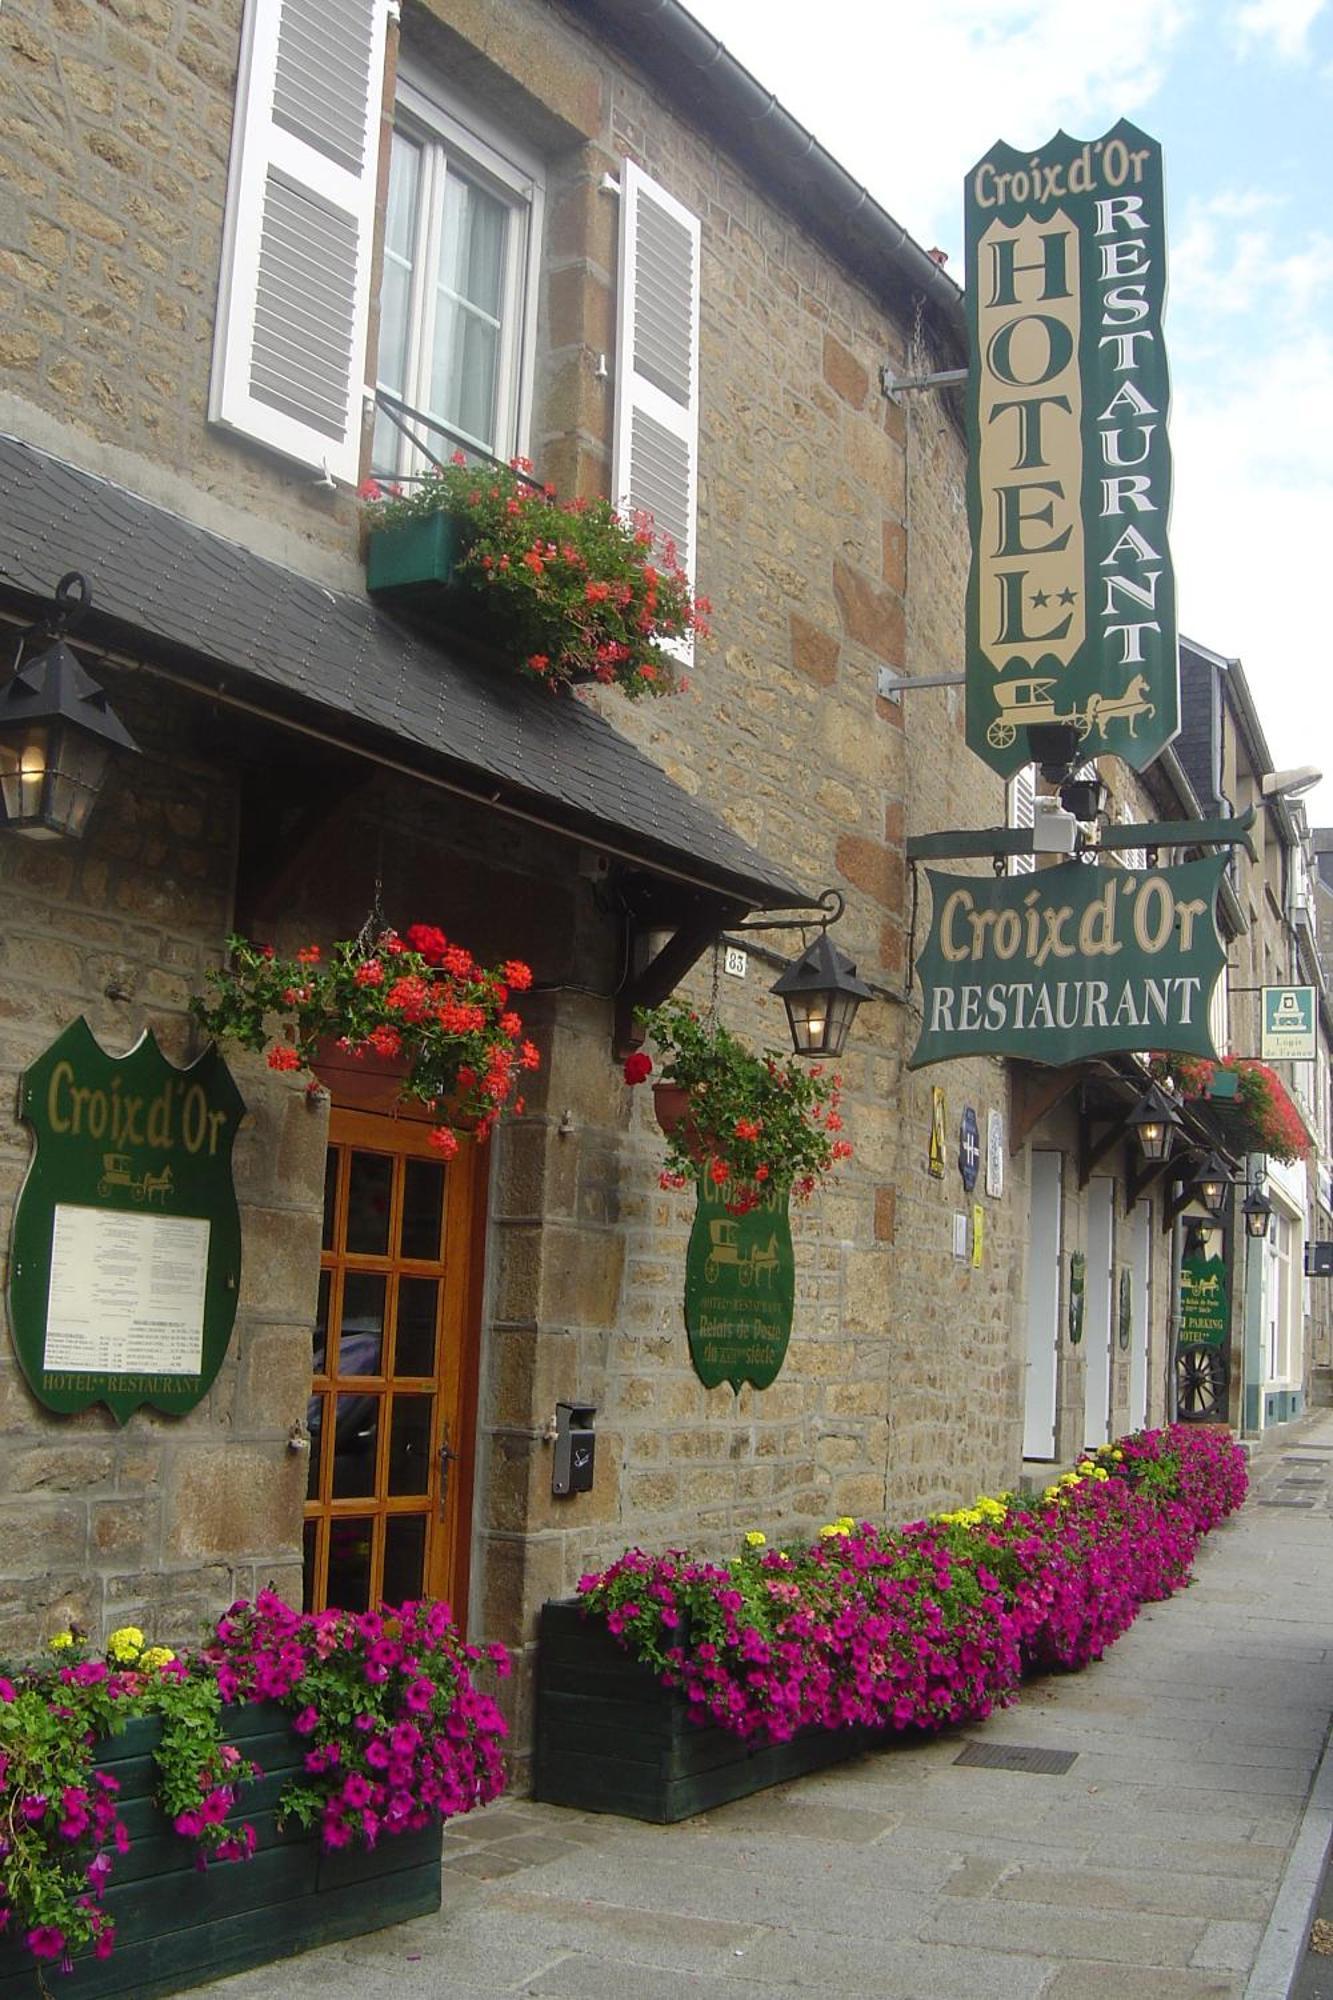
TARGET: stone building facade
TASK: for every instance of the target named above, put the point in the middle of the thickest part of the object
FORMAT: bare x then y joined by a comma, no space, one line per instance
304,758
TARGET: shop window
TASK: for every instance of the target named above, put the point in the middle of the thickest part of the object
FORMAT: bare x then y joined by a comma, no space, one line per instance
461,238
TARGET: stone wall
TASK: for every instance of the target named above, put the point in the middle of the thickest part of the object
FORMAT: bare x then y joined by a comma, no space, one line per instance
832,542
166,1518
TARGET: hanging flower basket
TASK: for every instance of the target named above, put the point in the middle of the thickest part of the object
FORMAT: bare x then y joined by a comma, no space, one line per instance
671,1102
384,1019
1250,1100
567,590
749,1122
361,1078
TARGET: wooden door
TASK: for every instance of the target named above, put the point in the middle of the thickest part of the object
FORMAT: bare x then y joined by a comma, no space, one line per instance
1043,1329
393,1405
1099,1331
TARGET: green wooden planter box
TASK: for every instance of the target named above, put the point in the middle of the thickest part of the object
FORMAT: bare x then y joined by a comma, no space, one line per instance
611,1738
177,1928
413,563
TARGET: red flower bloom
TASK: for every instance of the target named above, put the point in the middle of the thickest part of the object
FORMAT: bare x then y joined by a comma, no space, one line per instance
638,1066
281,1057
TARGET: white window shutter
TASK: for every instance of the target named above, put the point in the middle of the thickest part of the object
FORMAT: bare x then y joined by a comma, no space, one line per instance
656,444
289,347
1021,810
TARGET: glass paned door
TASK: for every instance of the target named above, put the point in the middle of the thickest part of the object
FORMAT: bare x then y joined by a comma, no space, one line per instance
393,1394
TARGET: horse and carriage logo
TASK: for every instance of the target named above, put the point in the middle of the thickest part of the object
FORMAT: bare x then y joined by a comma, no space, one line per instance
118,1172
754,1264
1033,700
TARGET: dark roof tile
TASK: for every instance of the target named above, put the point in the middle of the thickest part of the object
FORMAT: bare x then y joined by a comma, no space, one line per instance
156,574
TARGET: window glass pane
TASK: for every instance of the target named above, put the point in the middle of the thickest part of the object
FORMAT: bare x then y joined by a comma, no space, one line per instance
423,1208
309,1552
330,1196
400,232
361,1336
320,1337
404,1557
409,1444
314,1423
418,1310
368,1204
356,1425
472,244
462,390
349,1563
469,308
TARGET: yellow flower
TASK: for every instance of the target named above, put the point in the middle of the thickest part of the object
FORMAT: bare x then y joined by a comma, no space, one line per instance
125,1646
1069,1479
846,1522
754,1540
1051,1493
1117,1454
155,1657
61,1642
831,1530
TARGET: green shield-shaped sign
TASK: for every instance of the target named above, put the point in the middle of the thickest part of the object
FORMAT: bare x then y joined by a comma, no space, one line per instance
740,1288
1205,1304
126,1257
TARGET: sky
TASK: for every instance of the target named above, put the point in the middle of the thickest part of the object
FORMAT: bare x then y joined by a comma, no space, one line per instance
1240,95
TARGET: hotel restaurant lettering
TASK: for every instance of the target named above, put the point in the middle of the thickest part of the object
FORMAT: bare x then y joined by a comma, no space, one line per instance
1071,597
1071,962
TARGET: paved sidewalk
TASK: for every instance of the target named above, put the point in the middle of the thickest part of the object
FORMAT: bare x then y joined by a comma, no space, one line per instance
1177,1857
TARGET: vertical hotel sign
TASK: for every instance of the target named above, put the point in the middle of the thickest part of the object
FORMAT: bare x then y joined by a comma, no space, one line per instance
1071,611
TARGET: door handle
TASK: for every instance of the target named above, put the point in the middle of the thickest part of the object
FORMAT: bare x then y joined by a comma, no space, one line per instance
447,1457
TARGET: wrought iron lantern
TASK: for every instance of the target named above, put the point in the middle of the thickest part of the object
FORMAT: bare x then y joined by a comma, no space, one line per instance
1154,1121
1211,1181
58,731
1258,1212
821,993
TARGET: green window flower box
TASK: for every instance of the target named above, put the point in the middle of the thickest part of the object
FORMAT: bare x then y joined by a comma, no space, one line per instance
177,1928
612,1738
414,562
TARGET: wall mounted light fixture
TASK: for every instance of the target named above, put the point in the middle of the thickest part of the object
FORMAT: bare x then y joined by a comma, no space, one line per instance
58,731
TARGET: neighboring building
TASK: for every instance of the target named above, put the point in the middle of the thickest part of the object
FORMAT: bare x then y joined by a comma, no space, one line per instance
1280,1327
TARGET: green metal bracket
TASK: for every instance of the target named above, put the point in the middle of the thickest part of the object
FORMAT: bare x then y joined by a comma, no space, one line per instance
1001,840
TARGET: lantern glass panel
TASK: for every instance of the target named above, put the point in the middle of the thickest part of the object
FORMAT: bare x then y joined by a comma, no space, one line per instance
78,766
23,768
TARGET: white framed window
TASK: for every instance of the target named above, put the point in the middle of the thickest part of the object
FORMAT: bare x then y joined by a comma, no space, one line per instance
458,295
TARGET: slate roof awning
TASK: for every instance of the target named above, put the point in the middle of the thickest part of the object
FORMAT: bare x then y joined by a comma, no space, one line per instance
174,593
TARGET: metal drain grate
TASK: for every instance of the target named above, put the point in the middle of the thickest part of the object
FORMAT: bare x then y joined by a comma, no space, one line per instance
1017,1757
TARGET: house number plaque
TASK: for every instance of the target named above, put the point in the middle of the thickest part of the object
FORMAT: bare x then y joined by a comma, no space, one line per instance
126,1256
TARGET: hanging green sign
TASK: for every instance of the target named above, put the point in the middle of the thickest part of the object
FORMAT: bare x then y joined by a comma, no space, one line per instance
1071,612
1070,962
740,1288
1126,1326
126,1254
1078,1279
1205,1306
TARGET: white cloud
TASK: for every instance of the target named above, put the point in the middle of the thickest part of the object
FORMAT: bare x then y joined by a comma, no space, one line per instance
1283,24
908,104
